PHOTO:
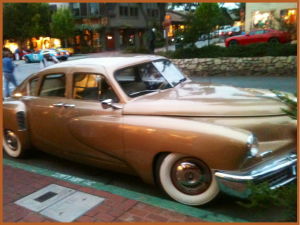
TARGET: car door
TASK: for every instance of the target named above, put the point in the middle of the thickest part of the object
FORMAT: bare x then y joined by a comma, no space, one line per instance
67,119
46,112
253,37
93,129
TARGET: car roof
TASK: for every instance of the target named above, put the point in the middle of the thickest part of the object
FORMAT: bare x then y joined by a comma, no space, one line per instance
111,63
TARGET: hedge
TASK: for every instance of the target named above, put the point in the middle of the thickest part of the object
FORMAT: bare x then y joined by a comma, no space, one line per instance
214,51
253,50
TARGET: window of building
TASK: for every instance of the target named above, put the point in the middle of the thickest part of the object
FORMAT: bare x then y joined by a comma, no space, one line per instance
289,15
134,11
54,85
75,9
123,10
94,9
262,19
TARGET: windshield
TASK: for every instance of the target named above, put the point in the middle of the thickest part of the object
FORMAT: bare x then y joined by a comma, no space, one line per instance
148,77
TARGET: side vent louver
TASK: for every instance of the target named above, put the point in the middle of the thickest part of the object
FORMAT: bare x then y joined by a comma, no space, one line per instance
21,120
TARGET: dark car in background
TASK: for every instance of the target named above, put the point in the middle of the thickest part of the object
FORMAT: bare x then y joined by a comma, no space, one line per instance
259,35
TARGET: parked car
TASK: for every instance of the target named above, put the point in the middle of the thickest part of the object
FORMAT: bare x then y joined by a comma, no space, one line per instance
140,115
38,55
259,35
68,51
220,30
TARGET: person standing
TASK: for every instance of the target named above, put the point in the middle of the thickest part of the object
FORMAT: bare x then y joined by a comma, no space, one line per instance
151,41
8,72
17,56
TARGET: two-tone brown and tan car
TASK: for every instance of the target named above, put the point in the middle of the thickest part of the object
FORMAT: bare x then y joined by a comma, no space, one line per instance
142,116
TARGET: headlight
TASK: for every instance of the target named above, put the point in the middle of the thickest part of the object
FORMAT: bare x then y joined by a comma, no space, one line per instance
252,145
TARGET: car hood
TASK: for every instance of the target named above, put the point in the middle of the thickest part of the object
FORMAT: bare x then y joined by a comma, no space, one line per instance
200,99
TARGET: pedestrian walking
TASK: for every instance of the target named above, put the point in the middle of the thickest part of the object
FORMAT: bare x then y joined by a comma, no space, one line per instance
44,58
8,72
17,56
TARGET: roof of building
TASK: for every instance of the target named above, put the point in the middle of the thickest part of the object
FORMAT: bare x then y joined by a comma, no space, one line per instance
177,16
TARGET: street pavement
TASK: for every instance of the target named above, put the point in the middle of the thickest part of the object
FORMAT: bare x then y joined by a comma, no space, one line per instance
19,183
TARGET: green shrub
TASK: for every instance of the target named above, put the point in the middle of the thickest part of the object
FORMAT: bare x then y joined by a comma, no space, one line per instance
141,50
253,50
85,49
263,197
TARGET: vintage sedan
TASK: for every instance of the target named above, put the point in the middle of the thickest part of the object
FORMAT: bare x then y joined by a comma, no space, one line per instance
259,35
140,115
37,56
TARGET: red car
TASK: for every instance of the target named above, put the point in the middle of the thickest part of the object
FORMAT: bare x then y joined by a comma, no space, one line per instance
259,35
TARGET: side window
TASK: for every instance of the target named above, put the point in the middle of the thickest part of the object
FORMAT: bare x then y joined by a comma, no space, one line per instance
54,85
253,32
92,87
266,31
32,86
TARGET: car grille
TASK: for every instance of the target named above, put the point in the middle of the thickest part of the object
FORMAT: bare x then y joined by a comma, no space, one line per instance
21,120
276,178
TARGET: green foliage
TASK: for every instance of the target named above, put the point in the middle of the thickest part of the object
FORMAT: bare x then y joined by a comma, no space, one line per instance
206,17
253,50
263,197
142,50
63,24
292,112
25,20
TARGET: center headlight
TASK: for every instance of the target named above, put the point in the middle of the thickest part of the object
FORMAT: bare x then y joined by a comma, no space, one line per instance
252,145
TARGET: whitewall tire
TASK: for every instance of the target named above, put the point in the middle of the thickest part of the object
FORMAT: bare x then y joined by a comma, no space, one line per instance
12,145
186,179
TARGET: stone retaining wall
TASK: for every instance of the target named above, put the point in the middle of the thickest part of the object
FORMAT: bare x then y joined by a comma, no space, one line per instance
252,66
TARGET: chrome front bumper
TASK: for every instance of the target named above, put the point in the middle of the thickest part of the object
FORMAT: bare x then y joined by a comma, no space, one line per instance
277,172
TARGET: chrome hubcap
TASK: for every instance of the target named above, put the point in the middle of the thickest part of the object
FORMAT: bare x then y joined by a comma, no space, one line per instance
11,139
191,176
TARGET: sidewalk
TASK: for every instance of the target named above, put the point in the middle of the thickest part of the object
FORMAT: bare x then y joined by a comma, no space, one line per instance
18,183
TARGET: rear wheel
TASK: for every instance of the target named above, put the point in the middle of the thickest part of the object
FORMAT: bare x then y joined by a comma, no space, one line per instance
233,42
27,60
186,179
273,40
12,145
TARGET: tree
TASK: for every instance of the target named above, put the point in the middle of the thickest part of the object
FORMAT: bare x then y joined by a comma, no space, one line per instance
63,24
25,20
237,11
191,6
203,21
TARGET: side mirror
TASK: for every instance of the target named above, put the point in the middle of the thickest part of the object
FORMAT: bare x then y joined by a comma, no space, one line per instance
109,102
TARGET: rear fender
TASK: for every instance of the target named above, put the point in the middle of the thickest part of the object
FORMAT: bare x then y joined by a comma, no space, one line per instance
15,119
220,147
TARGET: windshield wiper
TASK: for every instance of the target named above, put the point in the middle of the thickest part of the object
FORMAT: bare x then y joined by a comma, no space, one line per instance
139,92
181,80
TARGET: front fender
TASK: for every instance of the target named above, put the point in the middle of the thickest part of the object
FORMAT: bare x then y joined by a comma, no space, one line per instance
15,119
220,147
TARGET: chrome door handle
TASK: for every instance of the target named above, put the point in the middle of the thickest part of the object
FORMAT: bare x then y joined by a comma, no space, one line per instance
60,104
69,105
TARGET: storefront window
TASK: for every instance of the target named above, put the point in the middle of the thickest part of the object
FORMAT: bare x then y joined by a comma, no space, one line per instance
75,9
96,40
289,15
262,19
94,9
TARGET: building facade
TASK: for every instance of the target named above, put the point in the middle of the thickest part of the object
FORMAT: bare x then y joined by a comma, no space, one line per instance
112,26
260,15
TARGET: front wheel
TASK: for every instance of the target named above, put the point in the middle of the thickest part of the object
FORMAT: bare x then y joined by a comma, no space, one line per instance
12,145
186,179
